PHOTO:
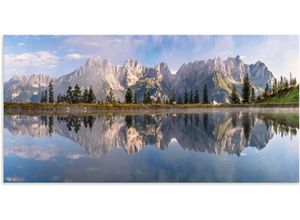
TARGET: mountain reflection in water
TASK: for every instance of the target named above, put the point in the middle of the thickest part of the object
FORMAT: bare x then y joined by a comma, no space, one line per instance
212,132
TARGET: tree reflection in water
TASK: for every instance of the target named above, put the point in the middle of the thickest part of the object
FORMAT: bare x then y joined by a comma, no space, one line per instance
213,132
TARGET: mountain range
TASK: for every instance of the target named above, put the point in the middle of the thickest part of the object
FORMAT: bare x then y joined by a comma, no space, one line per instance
98,72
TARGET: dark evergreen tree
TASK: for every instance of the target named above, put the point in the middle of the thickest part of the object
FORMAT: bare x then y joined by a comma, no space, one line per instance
92,96
135,97
76,94
147,97
205,95
59,98
267,87
51,93
179,100
196,97
266,92
252,95
46,96
85,96
191,100
69,95
63,98
234,96
42,97
285,83
186,97
246,89
128,96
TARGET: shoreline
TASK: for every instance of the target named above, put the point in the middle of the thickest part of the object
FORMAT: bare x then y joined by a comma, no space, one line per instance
82,108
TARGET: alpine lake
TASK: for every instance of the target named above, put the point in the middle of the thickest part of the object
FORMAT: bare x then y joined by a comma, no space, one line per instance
197,145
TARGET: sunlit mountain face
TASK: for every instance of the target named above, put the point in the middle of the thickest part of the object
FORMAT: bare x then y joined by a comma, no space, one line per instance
62,140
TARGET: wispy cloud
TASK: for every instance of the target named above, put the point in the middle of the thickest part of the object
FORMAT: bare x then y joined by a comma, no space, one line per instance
38,58
21,44
76,56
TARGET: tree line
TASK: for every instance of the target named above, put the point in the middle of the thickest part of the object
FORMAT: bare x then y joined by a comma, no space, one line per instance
71,96
188,97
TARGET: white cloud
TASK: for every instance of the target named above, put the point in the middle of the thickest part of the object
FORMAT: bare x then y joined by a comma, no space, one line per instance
76,56
115,48
38,58
21,44
41,152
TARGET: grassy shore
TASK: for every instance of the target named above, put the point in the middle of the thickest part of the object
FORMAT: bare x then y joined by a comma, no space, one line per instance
290,95
121,106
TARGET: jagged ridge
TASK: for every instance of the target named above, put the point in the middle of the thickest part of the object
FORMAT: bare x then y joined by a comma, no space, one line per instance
101,74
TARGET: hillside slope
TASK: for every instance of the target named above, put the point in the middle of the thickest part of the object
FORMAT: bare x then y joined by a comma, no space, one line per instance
287,96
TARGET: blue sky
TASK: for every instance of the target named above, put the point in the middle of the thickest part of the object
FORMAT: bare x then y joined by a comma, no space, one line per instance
58,55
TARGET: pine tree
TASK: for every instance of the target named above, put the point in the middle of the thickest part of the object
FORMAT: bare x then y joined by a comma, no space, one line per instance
110,96
63,98
186,99
59,99
196,97
267,88
285,83
135,97
46,96
76,94
85,96
51,93
252,95
42,97
275,86
92,96
280,83
128,96
147,97
205,95
173,99
234,98
266,92
69,95
246,89
294,82
191,100
179,100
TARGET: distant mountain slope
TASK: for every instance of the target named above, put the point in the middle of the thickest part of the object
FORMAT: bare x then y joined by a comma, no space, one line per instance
221,76
101,74
22,88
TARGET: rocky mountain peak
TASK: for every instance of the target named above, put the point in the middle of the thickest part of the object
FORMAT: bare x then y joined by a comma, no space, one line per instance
163,68
220,76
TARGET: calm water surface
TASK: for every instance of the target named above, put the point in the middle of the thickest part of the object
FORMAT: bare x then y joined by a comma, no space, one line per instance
204,146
